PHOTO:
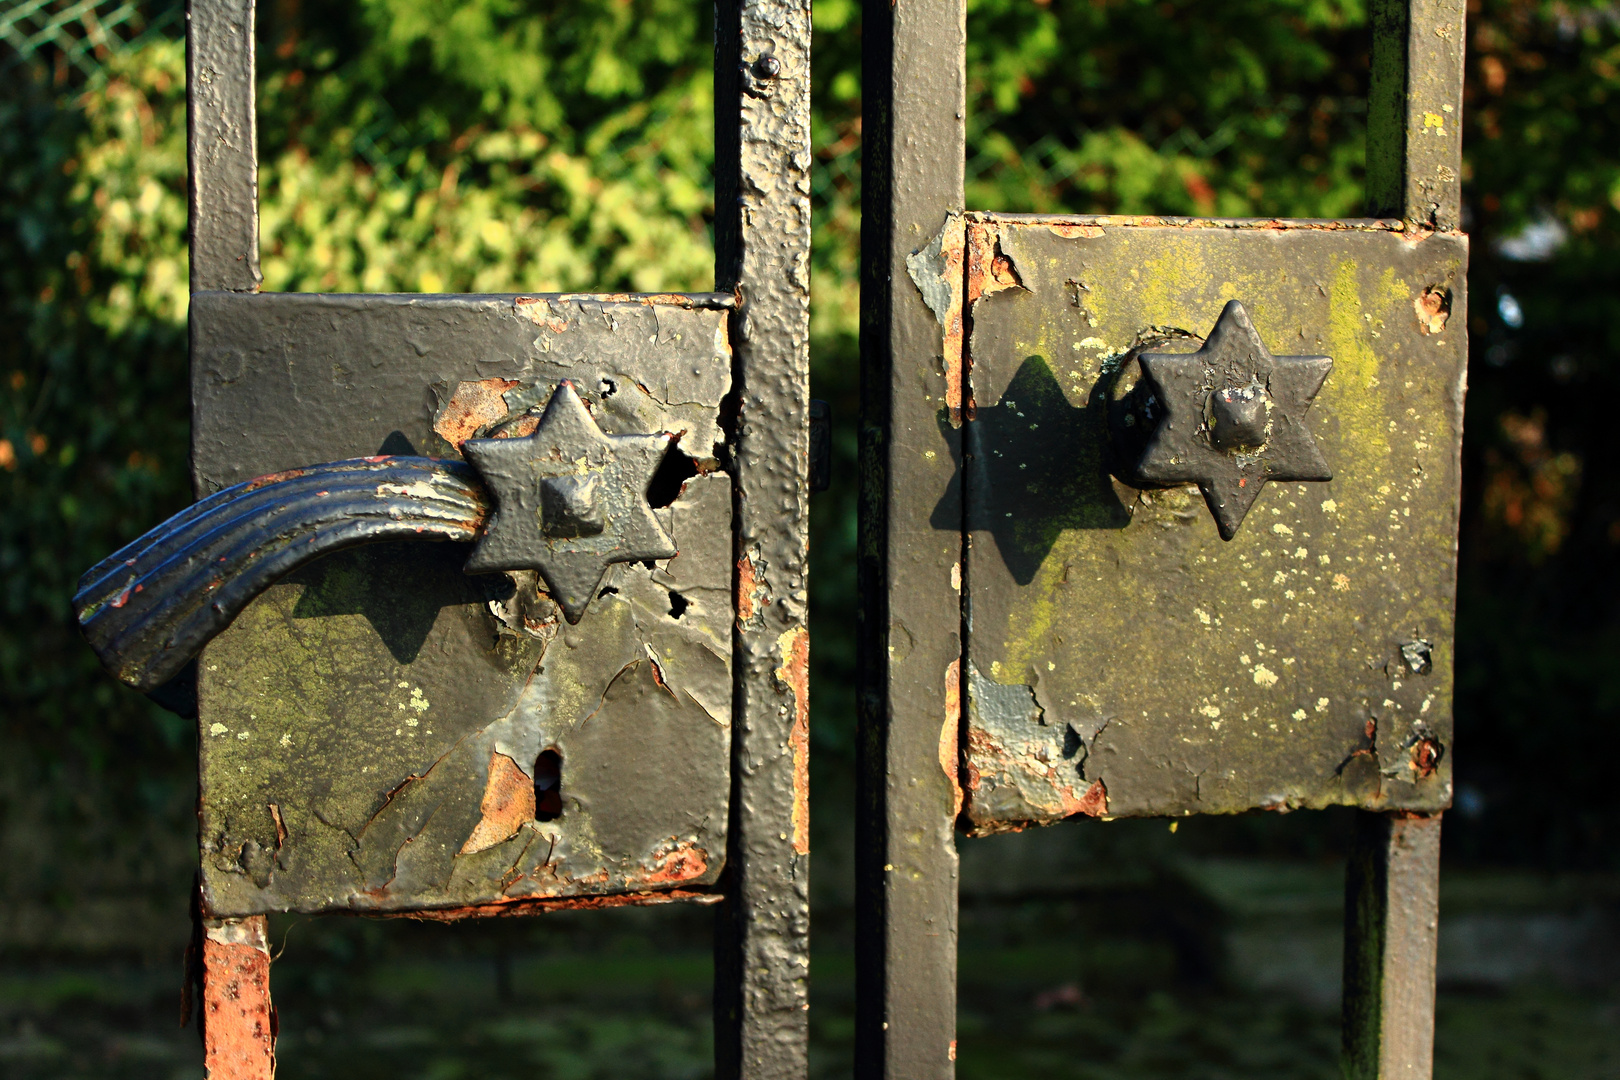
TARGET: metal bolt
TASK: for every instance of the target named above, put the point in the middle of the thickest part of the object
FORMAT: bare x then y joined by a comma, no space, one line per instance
1237,418
767,67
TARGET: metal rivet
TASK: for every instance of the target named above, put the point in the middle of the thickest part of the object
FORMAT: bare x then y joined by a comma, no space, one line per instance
767,67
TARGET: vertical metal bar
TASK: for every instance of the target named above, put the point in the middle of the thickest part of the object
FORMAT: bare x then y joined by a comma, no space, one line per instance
238,1021
1392,902
762,239
1392,887
223,145
1414,106
910,549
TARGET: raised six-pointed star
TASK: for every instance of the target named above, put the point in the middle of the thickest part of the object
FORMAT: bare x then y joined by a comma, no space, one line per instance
569,500
1234,418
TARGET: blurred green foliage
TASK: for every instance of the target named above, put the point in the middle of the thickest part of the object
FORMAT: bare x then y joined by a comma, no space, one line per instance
519,145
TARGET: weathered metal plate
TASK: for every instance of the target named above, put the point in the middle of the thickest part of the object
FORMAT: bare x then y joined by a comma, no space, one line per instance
370,727
1122,659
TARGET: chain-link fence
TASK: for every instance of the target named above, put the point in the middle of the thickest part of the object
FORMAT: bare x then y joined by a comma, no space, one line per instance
72,39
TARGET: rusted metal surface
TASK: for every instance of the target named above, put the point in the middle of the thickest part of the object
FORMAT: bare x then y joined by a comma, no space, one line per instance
237,1020
762,253
1117,657
149,607
910,550
936,268
351,715
1414,168
522,908
376,371
408,807
223,148
1392,906
1117,640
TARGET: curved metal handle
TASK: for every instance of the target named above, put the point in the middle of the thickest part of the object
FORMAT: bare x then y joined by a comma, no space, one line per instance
566,501
150,607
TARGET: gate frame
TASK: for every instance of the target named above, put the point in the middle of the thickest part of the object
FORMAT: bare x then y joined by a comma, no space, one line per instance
762,255
910,617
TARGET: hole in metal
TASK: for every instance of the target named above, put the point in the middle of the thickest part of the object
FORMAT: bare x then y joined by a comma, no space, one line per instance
678,605
548,786
670,476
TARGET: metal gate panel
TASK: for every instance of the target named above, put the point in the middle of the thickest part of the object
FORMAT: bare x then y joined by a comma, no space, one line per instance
370,727
969,629
368,723
1125,660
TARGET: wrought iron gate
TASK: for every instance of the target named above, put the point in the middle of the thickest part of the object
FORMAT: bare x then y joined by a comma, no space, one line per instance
1159,519
1126,554
607,702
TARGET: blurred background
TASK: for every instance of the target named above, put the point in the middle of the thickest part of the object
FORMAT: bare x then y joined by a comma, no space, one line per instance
526,145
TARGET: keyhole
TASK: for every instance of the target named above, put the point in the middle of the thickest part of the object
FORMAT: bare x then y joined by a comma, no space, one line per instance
548,786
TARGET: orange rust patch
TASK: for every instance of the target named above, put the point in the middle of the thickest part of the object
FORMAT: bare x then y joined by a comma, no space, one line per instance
1094,803
520,428
952,251
538,310
281,824
981,747
474,405
1425,757
1433,308
507,806
988,270
950,734
1075,232
273,478
795,675
679,862
238,1021
748,589
980,250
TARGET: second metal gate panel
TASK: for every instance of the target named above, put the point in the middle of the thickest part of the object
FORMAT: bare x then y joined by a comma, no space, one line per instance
1124,659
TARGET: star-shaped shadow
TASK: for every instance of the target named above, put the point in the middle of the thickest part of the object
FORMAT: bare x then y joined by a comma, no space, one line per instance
398,587
1233,417
1036,466
569,500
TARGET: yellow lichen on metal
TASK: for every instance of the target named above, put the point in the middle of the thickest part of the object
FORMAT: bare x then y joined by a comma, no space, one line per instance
1196,673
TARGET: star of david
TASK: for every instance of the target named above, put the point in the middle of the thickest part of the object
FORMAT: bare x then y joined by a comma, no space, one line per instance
569,500
1233,418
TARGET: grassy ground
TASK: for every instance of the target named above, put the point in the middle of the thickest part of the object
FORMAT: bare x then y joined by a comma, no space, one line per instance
1086,985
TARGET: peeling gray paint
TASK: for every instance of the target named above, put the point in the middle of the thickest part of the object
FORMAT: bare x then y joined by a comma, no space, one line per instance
350,715
927,267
